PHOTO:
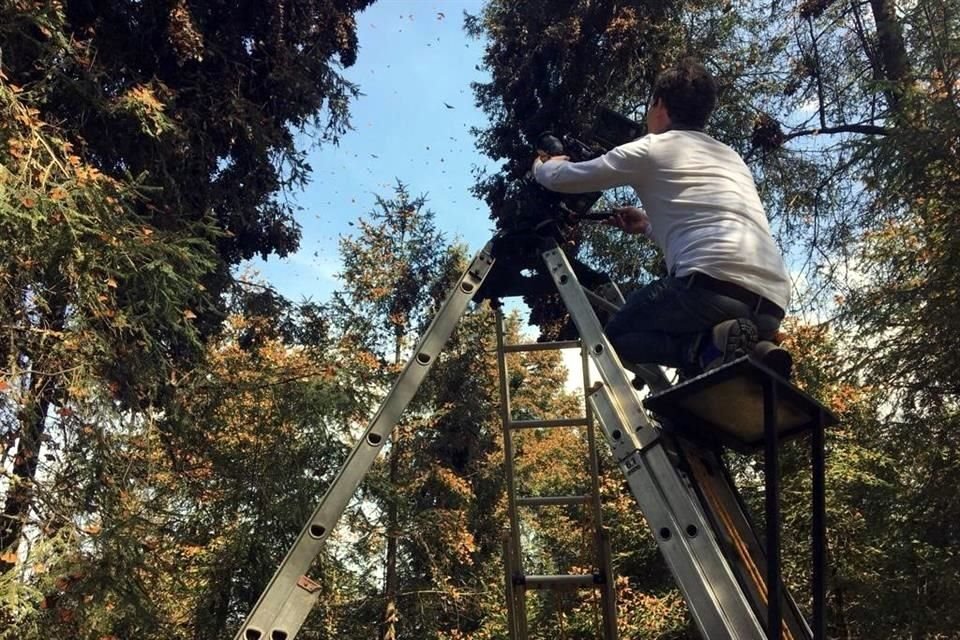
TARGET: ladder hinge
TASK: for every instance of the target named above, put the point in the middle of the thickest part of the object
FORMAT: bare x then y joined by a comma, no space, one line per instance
308,585
632,462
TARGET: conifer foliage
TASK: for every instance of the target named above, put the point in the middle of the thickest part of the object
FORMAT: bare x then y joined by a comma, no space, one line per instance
144,151
167,427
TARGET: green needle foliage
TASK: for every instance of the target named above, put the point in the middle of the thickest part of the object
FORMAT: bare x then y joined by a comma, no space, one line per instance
145,149
165,431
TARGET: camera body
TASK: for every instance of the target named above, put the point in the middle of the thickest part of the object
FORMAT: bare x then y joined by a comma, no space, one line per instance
610,129
531,217
540,206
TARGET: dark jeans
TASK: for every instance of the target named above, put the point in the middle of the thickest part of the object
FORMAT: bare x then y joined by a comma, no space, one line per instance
663,322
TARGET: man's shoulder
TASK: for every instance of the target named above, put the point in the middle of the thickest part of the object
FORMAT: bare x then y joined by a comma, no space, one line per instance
699,138
688,136
633,151
640,143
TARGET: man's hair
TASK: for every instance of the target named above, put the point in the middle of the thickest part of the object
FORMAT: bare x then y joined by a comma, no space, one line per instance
688,91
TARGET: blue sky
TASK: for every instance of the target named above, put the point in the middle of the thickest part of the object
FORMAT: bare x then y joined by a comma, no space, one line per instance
414,60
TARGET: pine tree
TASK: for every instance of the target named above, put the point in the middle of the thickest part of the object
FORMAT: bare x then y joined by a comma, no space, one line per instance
143,147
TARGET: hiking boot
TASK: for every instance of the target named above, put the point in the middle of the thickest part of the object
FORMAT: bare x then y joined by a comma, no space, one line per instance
775,358
731,339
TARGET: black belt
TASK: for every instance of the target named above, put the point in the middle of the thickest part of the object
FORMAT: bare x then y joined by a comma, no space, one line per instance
759,304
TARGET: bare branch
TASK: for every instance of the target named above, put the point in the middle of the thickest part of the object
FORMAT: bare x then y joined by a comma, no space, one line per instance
866,129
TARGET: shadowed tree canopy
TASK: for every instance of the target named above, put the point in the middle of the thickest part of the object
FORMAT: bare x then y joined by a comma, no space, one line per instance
552,67
145,149
204,98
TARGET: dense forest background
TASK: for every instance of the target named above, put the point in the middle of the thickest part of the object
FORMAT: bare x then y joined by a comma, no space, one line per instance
167,424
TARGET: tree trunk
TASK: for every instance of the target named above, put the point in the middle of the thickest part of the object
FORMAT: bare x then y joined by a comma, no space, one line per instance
33,421
43,393
391,586
393,525
892,51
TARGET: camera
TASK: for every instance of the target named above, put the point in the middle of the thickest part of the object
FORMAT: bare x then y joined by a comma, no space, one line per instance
532,207
610,129
530,216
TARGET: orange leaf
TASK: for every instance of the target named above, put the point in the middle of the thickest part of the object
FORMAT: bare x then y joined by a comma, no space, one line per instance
111,283
10,557
188,314
4,385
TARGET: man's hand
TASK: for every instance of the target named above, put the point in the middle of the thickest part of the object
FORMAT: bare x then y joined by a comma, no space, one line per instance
629,220
543,156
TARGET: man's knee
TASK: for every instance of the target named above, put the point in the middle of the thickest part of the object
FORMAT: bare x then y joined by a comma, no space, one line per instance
767,327
618,324
616,341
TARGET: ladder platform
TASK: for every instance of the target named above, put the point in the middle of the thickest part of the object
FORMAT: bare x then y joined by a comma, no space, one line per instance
725,406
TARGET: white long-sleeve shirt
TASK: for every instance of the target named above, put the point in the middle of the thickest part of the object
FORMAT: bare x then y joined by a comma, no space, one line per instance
701,200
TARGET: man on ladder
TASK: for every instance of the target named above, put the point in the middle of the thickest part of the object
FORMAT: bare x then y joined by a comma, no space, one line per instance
721,252
727,286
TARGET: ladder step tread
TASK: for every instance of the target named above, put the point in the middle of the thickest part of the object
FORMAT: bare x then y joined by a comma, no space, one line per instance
556,422
541,346
560,581
537,501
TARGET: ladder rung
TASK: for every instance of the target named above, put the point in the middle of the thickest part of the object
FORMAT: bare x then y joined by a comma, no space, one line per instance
541,346
540,501
559,422
559,582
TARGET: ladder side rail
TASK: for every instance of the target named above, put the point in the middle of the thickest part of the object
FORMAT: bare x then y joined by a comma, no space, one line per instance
684,534
510,590
515,593
506,415
608,593
594,462
689,546
290,595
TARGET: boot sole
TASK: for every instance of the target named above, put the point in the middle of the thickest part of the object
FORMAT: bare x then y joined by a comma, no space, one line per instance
740,341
